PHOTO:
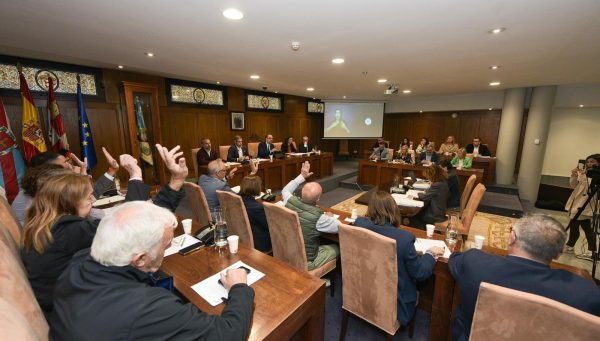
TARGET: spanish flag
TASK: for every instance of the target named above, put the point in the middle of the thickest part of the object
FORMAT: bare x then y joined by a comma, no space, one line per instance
33,138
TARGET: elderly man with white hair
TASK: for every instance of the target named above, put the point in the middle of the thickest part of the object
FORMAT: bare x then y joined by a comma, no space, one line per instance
105,293
312,219
534,242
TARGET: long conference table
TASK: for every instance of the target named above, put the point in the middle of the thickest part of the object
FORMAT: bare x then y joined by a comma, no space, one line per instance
379,173
276,174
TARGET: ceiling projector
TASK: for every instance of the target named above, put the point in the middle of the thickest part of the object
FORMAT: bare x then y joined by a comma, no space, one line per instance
391,90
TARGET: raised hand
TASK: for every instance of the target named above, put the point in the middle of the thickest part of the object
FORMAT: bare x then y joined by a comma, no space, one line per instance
113,165
131,166
305,171
80,166
253,167
178,168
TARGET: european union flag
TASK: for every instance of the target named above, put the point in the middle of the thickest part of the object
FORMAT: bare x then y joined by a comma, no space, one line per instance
85,133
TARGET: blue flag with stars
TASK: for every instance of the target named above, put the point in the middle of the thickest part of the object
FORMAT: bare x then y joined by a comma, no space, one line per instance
85,133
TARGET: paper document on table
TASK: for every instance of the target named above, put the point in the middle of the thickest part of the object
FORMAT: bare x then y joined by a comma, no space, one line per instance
236,189
109,200
422,245
210,289
413,193
264,160
403,200
233,164
179,243
421,185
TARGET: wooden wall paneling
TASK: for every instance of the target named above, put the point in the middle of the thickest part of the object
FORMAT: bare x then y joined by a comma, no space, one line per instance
488,130
469,128
450,126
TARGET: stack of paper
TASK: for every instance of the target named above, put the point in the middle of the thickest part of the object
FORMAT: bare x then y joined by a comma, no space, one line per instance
210,289
422,245
403,200
421,185
179,243
109,200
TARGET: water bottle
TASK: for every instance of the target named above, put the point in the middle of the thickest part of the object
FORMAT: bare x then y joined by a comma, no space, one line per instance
451,234
220,231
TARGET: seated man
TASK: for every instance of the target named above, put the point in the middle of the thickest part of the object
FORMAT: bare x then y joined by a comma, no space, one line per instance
305,147
312,219
215,180
237,152
380,153
453,185
429,156
265,149
105,294
448,147
534,242
477,148
205,154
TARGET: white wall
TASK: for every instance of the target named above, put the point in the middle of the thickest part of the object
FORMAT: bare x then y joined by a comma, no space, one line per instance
574,134
482,100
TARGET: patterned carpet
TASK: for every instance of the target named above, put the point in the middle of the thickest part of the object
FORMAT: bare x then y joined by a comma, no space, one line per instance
495,228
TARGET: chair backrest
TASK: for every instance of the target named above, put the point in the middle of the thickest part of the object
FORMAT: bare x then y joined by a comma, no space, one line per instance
466,194
195,161
10,221
286,235
13,324
370,276
277,145
507,314
467,217
253,148
234,213
15,288
223,152
194,205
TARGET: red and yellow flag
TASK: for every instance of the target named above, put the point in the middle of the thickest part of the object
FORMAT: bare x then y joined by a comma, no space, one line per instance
33,137
58,136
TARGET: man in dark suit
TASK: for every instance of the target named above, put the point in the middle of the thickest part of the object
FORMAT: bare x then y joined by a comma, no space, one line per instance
237,152
305,147
533,243
429,156
477,148
205,154
265,149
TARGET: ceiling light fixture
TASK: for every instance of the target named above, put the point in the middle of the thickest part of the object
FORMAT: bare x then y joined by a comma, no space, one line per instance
490,109
581,105
150,54
218,82
494,83
255,76
120,67
233,14
310,89
406,91
383,80
494,67
344,97
497,30
421,111
337,60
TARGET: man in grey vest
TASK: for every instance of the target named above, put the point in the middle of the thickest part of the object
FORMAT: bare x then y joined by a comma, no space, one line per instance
312,219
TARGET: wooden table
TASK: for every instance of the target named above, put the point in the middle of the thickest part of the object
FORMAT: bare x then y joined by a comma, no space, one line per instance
488,164
275,175
405,211
288,302
377,173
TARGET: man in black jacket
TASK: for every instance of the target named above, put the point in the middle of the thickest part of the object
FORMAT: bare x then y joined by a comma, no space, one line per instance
266,149
237,152
305,147
477,148
105,294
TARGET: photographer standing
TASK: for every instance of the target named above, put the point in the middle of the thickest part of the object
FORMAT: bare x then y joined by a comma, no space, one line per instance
579,183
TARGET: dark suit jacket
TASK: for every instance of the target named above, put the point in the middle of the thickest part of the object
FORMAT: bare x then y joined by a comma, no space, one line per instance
263,152
453,189
284,148
483,149
411,267
203,158
436,203
301,148
435,157
232,153
258,223
474,266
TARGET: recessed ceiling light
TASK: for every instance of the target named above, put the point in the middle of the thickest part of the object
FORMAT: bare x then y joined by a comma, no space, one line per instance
421,111
337,60
497,30
276,92
314,98
120,66
581,105
494,67
489,108
233,14
383,80
218,82
310,89
406,91
255,76
150,54
494,83
344,97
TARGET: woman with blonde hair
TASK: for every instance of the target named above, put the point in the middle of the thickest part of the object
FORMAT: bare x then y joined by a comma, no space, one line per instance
461,161
383,217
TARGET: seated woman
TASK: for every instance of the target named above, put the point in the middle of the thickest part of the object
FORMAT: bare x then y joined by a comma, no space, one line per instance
403,155
405,142
461,161
383,217
57,223
453,186
435,198
249,189
288,146
422,147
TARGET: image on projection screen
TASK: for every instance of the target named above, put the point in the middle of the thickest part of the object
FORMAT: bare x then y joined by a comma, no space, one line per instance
353,120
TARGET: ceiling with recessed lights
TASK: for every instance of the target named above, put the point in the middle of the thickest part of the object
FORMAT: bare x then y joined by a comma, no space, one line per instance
429,47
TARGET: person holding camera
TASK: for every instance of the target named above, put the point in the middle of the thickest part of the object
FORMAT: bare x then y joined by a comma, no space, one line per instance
580,183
